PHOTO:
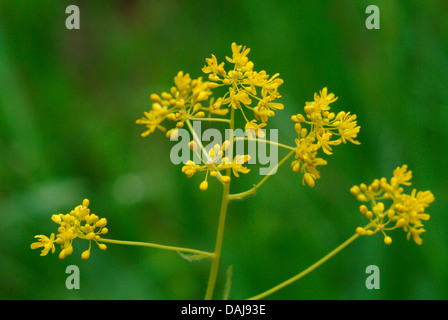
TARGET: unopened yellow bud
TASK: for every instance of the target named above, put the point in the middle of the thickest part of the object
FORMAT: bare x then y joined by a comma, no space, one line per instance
304,132
93,218
399,207
375,185
213,77
298,128
155,97
390,213
202,96
225,179
62,254
68,250
298,118
361,197
193,146
101,223
85,203
296,167
388,240
401,222
377,208
309,179
204,185
90,236
56,219
166,96
363,209
197,107
361,231
172,134
102,246
308,110
355,191
85,255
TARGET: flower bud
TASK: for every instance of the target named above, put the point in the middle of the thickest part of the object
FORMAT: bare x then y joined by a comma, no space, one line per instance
85,255
203,186
388,240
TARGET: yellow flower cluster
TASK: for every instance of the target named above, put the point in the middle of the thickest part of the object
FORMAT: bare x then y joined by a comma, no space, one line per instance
216,162
256,91
406,211
242,82
184,101
79,223
326,129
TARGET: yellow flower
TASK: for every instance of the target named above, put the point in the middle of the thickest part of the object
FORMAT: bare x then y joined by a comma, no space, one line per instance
265,106
326,130
79,223
324,99
237,165
242,81
190,168
153,119
406,211
236,98
263,113
184,101
347,127
239,57
45,242
183,83
216,162
253,129
215,107
401,176
213,67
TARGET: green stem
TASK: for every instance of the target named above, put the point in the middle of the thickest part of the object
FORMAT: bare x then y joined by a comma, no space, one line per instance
157,246
220,234
199,143
242,195
218,246
307,270
266,141
209,119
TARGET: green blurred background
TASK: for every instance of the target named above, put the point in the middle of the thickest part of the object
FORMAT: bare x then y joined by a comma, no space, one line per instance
68,104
